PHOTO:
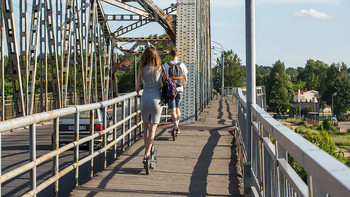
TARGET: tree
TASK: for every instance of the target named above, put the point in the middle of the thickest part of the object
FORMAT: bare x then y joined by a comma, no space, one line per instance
234,75
306,110
293,73
337,81
313,74
262,80
279,88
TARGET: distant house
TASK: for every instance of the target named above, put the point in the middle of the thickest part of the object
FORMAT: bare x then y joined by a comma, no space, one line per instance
125,66
306,96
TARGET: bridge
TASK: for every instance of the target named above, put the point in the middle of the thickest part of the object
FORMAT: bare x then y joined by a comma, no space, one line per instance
68,56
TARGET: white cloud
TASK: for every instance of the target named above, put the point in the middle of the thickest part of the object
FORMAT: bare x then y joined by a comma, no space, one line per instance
311,14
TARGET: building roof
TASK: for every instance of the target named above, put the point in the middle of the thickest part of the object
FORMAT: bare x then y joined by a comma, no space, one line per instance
301,91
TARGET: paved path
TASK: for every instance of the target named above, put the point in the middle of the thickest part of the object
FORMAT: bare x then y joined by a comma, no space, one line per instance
201,162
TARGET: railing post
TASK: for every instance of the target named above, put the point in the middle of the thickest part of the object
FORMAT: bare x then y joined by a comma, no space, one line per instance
123,127
135,119
56,158
115,114
251,87
92,142
104,110
0,155
32,151
129,135
76,149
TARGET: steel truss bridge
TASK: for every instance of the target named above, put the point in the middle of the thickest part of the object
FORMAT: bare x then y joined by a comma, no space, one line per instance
70,46
66,48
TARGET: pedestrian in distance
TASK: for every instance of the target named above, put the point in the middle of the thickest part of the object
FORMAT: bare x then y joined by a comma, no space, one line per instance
150,74
178,72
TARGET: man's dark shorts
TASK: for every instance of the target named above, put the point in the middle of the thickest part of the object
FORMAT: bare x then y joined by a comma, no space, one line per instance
176,103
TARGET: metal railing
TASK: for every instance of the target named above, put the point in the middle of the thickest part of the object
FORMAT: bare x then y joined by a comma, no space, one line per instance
269,171
130,123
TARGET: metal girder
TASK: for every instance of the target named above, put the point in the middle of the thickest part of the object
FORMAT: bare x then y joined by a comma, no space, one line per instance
13,57
2,64
165,20
134,39
33,50
143,22
132,27
126,7
53,56
23,28
101,19
65,57
43,60
98,65
89,50
78,57
123,17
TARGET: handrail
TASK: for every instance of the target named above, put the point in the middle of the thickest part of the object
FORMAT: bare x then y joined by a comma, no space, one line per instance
273,176
54,115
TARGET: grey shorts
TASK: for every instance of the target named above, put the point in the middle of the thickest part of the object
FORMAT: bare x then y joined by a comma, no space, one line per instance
176,103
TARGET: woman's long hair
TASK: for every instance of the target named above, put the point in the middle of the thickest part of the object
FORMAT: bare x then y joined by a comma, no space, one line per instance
150,57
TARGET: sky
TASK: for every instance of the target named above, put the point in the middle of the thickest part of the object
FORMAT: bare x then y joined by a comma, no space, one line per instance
292,31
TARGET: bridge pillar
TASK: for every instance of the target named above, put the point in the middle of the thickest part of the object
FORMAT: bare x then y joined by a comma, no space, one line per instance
193,42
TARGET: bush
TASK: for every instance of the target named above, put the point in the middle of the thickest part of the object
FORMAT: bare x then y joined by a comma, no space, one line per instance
306,110
327,125
298,169
302,129
348,162
348,131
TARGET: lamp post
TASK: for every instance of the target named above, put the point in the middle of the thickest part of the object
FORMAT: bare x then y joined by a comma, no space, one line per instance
222,68
335,94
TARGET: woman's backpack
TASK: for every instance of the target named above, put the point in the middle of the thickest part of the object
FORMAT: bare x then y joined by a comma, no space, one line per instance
169,91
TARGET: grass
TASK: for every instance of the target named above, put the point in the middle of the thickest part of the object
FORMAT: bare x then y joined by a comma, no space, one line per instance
341,139
294,121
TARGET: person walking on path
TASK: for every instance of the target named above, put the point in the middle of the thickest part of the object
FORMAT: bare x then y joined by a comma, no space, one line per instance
150,73
177,71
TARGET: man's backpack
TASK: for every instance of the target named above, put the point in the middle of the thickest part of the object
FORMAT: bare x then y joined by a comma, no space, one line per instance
169,91
176,74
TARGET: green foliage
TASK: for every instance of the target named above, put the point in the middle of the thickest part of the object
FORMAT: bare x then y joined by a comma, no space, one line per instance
126,80
295,121
234,72
8,89
325,142
327,125
262,70
348,131
306,110
313,74
279,88
337,80
298,85
297,167
293,110
302,129
262,80
293,73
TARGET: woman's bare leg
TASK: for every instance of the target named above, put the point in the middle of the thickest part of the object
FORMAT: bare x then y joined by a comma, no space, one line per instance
150,138
146,133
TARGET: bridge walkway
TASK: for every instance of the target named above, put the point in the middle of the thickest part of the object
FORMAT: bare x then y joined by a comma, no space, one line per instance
201,162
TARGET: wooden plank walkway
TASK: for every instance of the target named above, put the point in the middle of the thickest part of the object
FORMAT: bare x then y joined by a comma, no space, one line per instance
201,162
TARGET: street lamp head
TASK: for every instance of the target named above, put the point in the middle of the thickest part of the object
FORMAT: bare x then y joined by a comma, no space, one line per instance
335,94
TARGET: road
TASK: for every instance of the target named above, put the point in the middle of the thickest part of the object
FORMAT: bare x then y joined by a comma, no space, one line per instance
15,153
